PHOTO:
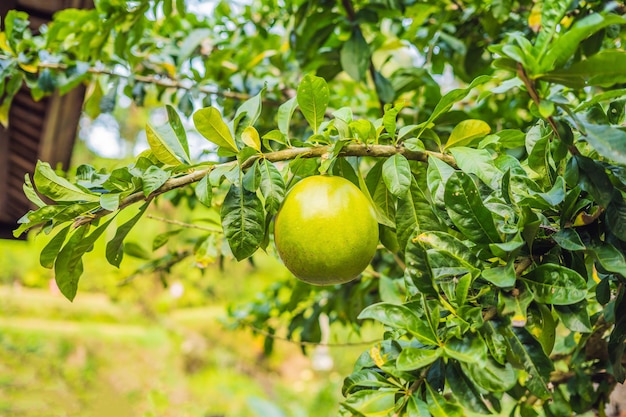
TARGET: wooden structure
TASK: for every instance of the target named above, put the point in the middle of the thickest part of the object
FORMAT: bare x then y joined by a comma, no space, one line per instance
43,130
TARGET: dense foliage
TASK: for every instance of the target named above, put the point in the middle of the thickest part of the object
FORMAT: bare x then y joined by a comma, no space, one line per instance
488,135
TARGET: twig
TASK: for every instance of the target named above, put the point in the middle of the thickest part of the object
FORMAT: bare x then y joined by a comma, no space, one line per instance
532,92
160,80
282,155
182,224
169,185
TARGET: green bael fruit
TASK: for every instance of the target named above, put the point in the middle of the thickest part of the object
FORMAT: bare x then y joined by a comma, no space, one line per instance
326,230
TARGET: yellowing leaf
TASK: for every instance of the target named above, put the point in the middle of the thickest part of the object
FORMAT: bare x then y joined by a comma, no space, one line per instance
4,45
251,138
159,146
466,132
29,68
209,123
376,356
594,275
260,57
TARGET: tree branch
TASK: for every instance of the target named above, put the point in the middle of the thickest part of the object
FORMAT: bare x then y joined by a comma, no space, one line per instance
376,151
532,92
159,80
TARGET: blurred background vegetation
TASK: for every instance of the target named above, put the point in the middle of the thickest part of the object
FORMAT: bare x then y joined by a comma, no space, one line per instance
154,344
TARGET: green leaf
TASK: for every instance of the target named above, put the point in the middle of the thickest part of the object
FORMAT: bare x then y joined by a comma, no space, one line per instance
285,113
437,175
377,192
272,186
370,403
248,113
593,179
539,159
343,168
551,15
412,358
467,211
608,141
542,326
609,257
464,389
390,121
30,193
68,266
162,238
243,220
556,284
114,248
179,131
501,276
153,179
568,239
448,100
363,378
467,133
57,188
415,406
564,47
469,349
616,216
491,375
204,191
135,250
534,360
400,317
414,214
209,123
397,175
110,201
418,272
602,69
439,406
355,55
51,250
455,252
313,96
252,178
575,317
613,94
384,88
617,338
479,162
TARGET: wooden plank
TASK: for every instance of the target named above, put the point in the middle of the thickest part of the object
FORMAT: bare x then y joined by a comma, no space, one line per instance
25,141
25,129
20,164
59,130
48,7
27,116
24,99
51,6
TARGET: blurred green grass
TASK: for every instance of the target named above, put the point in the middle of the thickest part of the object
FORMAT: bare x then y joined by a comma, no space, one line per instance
183,364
